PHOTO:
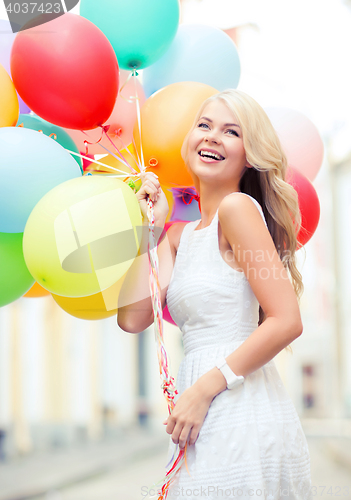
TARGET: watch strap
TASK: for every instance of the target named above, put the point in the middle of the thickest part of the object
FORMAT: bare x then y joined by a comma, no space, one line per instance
232,379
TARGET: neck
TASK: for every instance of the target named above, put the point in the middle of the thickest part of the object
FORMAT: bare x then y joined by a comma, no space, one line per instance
210,198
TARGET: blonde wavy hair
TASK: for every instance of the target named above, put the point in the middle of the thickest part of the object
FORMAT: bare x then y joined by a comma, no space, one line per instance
265,181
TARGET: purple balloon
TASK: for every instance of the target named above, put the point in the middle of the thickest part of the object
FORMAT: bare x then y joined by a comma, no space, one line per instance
185,207
6,40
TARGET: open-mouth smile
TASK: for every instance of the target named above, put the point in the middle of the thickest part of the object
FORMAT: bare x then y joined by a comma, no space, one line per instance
210,154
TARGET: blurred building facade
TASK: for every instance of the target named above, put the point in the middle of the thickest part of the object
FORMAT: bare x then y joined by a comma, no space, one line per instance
65,380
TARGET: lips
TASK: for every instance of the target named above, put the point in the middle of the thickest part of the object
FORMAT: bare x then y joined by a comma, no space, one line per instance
211,154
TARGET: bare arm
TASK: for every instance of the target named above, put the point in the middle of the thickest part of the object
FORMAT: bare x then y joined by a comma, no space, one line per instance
256,254
135,312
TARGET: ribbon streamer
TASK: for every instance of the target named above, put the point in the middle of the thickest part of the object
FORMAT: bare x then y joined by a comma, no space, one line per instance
168,384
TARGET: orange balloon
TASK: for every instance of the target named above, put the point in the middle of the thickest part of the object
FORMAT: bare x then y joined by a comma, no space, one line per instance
166,118
9,107
36,291
98,306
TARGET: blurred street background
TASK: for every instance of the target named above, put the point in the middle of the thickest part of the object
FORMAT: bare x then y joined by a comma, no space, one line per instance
81,407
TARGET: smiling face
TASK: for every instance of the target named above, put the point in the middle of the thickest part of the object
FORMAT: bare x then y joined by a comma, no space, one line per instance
215,146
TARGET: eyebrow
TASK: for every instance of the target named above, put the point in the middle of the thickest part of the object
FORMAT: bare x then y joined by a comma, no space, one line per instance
225,125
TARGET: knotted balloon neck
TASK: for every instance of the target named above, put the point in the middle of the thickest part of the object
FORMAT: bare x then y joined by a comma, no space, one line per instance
188,196
104,128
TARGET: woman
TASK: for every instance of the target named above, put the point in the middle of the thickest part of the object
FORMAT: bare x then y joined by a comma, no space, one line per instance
232,298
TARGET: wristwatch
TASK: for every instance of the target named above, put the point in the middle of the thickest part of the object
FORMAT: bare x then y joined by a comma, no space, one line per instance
232,379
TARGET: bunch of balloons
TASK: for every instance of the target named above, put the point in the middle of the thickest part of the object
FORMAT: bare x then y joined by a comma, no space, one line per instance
69,90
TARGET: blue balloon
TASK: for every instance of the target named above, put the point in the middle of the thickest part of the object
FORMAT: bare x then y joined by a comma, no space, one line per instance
31,165
198,53
140,31
36,123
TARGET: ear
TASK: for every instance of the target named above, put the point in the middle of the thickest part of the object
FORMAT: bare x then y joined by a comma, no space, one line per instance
247,164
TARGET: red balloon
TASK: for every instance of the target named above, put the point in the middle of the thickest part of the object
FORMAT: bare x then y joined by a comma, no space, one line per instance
308,203
66,71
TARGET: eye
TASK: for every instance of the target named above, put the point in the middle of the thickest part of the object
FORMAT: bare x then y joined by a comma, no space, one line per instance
203,125
233,132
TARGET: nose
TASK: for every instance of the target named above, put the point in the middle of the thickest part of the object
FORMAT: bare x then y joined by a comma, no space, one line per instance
212,137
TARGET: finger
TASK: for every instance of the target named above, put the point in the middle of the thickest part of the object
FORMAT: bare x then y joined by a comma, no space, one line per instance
176,433
151,177
151,173
152,183
147,173
147,189
194,435
184,436
170,426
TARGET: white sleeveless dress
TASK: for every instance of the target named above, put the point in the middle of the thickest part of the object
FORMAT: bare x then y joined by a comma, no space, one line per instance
251,443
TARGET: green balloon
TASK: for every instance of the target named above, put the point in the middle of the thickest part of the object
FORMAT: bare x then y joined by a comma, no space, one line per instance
15,279
36,123
140,31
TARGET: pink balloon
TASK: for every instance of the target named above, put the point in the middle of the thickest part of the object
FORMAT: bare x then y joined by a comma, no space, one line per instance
167,317
121,121
6,41
300,139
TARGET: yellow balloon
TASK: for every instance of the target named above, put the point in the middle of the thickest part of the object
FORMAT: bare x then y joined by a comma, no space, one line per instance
83,236
98,306
170,199
9,107
130,155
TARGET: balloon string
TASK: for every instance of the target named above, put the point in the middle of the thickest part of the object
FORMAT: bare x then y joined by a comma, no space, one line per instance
103,147
137,154
127,80
168,385
87,142
134,73
127,150
104,131
130,100
137,104
102,164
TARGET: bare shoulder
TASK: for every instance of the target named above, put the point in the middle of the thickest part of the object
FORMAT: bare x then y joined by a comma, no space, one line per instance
238,212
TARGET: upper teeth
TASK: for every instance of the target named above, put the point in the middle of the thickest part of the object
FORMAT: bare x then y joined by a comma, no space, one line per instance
208,154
